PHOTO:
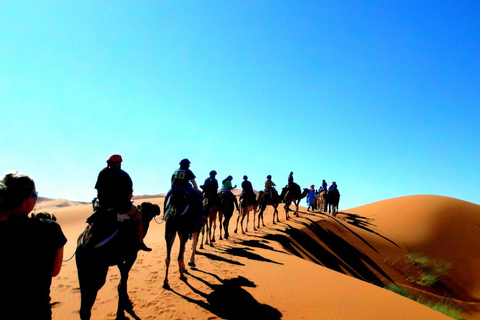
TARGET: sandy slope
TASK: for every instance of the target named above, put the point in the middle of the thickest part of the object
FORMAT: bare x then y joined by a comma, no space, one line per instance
254,276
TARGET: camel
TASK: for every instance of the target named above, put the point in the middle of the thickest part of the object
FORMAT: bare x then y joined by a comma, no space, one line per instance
211,209
227,203
108,242
333,198
183,216
322,201
292,194
246,206
265,200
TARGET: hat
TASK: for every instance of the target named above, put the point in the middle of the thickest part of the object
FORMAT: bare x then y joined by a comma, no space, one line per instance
115,158
184,161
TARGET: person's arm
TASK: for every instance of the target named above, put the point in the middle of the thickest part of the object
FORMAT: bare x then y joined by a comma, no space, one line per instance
194,184
58,262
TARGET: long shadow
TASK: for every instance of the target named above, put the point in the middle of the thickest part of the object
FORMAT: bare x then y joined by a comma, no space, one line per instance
362,223
257,244
348,253
218,258
229,300
246,253
345,257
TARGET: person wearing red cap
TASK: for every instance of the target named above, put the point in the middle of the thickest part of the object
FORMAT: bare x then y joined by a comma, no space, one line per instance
114,186
115,191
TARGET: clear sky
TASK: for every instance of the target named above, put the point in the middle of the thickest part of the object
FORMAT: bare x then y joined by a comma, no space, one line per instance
382,97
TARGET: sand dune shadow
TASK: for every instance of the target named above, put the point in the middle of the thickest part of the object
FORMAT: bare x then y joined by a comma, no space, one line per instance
331,251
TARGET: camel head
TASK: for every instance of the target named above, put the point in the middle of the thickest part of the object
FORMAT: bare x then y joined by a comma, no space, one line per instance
304,193
149,210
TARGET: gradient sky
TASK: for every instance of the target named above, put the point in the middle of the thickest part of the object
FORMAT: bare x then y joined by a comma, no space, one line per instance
382,97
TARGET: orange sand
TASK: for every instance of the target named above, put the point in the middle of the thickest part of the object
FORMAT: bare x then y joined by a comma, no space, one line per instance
312,267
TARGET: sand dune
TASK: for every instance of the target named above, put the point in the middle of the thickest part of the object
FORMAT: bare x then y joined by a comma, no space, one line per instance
312,267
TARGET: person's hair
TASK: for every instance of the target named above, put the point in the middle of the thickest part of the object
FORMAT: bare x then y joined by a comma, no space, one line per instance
15,187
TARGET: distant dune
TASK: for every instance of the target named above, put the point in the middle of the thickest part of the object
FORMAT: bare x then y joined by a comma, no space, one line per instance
314,266
47,203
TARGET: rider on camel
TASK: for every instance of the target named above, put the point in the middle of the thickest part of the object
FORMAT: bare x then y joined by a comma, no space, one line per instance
210,186
247,191
181,179
114,194
227,186
270,188
332,186
290,179
324,185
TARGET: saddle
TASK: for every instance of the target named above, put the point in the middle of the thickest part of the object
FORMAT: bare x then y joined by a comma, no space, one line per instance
104,224
185,210
210,198
248,198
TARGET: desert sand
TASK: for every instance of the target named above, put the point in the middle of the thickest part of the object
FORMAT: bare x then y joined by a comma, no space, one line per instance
314,266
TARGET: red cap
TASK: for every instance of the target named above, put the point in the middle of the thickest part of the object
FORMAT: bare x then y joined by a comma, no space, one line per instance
115,158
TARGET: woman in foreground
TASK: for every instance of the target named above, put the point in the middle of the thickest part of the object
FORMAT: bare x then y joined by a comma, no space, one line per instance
31,251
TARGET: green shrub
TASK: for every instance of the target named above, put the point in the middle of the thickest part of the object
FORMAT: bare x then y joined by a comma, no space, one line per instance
445,306
430,270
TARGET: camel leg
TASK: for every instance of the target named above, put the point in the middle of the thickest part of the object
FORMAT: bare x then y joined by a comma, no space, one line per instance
209,231
275,212
181,252
255,229
124,303
203,235
170,235
246,226
260,215
214,226
91,277
236,227
226,223
286,207
191,262
220,220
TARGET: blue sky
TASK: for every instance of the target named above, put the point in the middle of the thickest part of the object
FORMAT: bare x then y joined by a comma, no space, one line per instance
380,96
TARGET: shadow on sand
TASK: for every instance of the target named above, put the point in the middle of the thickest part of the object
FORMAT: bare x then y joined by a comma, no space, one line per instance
332,251
362,223
247,253
212,256
229,300
262,244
